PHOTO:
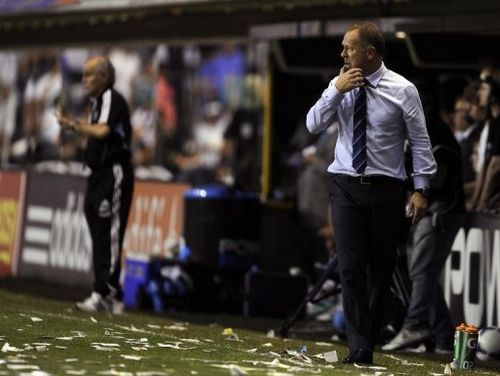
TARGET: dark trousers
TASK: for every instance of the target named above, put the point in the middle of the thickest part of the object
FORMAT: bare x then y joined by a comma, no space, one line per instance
107,205
432,241
368,220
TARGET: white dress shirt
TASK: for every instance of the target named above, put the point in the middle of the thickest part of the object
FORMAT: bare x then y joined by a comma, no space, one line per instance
394,114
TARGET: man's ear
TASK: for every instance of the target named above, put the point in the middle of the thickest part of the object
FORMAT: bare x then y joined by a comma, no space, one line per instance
371,51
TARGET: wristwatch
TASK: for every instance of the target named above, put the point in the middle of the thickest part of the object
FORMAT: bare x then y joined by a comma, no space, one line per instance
423,191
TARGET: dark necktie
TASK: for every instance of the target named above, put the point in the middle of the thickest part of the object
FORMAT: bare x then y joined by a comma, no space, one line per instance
359,161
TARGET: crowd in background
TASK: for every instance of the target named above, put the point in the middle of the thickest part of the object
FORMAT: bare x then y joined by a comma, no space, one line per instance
475,121
196,113
183,104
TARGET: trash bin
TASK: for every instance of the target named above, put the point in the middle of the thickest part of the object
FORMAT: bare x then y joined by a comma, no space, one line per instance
215,214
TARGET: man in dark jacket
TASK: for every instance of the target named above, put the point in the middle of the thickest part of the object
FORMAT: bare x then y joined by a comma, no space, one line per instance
428,318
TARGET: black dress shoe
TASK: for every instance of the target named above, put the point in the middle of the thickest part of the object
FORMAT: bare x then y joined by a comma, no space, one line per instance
359,356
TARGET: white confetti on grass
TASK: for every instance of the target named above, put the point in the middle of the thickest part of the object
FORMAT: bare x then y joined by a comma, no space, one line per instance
190,340
8,348
323,344
22,367
331,356
175,327
131,328
93,320
377,368
79,334
36,319
132,357
104,348
175,346
76,372
105,344
405,362
35,373
114,372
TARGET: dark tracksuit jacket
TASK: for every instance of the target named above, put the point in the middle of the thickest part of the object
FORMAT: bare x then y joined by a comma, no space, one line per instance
109,189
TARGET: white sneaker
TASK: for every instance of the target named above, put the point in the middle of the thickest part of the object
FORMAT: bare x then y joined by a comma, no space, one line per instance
117,306
407,338
94,303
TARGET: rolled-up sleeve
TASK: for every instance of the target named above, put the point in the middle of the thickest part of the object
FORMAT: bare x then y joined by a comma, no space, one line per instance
424,164
324,111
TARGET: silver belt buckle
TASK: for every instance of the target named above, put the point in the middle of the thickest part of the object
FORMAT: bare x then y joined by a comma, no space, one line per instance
364,180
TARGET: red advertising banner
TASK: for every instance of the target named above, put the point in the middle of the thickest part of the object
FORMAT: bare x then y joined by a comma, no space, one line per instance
12,186
155,224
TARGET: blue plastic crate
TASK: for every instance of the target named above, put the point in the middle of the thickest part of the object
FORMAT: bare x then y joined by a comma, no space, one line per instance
137,275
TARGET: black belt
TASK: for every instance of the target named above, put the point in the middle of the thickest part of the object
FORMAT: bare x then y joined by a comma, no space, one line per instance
370,179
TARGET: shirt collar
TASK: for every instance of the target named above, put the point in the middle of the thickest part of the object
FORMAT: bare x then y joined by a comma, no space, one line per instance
374,78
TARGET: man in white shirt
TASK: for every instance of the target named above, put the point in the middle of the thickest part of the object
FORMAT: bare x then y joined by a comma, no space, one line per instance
377,111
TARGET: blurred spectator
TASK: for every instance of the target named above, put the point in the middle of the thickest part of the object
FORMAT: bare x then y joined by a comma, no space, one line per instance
468,145
241,151
165,101
144,117
127,63
204,150
313,197
41,97
486,196
224,72
169,139
8,103
461,117
428,317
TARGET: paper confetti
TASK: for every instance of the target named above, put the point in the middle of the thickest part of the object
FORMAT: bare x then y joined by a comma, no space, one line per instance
323,344
22,367
131,357
331,356
378,368
234,370
175,327
7,348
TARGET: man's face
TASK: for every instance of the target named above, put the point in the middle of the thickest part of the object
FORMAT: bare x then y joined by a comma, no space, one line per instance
93,80
483,93
354,53
461,114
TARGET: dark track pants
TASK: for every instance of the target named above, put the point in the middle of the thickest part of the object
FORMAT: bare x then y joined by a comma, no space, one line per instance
107,206
368,220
